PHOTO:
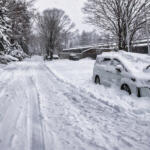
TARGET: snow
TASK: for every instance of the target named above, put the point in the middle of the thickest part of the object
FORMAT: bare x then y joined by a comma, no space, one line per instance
55,106
1,68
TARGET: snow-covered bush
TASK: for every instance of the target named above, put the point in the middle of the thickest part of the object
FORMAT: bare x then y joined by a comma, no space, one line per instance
5,58
20,55
10,58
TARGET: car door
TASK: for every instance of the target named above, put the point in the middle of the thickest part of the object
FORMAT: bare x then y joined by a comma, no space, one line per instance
115,75
104,71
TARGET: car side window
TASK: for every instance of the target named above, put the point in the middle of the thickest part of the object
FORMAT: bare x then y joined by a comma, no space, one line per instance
106,61
116,62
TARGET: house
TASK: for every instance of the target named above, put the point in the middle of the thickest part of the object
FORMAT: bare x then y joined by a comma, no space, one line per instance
83,52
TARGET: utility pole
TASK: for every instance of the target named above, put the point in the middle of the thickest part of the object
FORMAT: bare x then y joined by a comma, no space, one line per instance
127,28
146,25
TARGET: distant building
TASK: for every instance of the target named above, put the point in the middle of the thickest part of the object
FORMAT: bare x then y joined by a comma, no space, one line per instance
87,51
139,46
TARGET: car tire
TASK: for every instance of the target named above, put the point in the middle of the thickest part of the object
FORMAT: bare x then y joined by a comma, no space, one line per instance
97,80
126,88
138,92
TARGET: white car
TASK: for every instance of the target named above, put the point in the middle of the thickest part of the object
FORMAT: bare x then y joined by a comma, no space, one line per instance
129,71
55,56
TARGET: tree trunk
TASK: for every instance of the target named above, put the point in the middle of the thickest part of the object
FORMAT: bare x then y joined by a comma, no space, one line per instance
120,41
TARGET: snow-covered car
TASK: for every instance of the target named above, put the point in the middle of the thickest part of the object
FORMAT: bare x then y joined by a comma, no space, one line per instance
55,56
74,56
129,71
47,57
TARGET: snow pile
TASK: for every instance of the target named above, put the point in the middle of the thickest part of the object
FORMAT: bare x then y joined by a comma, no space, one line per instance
79,74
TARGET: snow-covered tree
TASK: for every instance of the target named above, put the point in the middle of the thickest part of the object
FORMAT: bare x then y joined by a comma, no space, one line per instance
84,39
54,25
21,14
5,27
15,24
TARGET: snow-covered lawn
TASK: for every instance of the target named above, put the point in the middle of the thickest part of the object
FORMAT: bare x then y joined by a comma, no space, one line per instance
79,74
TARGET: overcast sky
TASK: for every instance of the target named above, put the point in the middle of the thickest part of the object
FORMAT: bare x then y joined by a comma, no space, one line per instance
71,7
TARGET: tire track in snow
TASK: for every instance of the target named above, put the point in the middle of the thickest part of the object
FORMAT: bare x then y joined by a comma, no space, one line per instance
36,128
72,92
52,126
8,126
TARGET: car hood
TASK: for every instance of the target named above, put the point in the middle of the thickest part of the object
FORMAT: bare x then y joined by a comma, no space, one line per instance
142,76
138,70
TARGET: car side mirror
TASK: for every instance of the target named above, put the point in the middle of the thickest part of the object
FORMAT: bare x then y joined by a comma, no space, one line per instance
119,68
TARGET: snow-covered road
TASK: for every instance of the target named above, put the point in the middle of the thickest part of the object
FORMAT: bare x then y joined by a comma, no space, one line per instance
39,111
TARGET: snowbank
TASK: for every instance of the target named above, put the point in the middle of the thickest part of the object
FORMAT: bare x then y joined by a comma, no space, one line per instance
79,74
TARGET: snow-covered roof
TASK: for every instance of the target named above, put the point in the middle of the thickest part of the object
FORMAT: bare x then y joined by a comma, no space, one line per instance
77,48
135,63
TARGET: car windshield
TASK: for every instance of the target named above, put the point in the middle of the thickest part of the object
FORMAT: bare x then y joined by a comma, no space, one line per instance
136,63
116,62
148,67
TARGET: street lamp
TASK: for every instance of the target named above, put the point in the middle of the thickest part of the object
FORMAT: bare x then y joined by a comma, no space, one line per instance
127,28
146,25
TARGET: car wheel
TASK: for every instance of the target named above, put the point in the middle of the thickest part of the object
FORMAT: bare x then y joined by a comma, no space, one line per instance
126,88
97,80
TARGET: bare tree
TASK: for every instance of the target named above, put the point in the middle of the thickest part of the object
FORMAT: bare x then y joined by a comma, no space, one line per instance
119,17
54,25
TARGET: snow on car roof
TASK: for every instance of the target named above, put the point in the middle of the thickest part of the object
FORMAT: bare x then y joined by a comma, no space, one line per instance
135,63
